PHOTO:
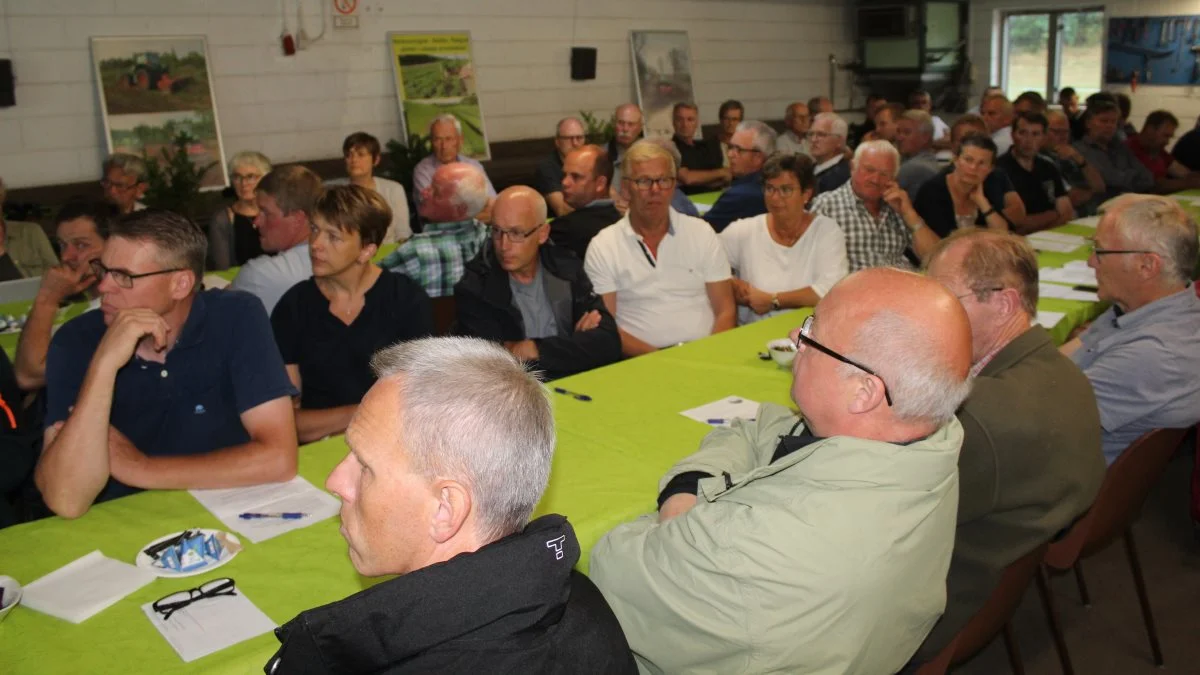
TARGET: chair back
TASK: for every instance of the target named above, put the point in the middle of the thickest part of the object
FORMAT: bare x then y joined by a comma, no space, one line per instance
443,314
1126,484
981,628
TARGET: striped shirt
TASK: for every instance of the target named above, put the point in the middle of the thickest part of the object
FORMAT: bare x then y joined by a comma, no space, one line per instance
437,256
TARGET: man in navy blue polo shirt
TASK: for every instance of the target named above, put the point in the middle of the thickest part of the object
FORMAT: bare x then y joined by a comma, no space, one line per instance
165,387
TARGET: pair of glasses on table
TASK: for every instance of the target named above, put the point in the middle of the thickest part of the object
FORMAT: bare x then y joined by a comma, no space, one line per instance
177,601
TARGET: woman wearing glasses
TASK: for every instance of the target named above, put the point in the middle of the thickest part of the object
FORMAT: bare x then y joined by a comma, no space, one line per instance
788,257
961,198
232,239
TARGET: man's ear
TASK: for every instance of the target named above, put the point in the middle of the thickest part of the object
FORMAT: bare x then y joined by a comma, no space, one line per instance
868,393
454,505
183,283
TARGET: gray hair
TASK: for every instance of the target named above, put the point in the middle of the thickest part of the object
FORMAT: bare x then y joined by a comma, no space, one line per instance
764,136
882,147
470,193
446,117
474,414
838,125
252,159
922,385
1160,224
923,119
131,164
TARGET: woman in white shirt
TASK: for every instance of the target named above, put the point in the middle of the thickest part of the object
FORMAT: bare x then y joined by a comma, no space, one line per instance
362,154
787,257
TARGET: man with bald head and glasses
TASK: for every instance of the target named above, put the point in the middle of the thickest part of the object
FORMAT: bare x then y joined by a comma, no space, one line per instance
819,542
663,275
1142,355
167,386
533,297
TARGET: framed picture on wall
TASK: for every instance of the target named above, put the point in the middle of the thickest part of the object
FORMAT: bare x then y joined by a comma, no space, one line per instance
152,90
435,75
662,75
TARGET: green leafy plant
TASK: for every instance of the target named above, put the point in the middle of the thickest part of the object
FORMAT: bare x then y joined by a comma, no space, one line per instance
403,158
174,182
599,130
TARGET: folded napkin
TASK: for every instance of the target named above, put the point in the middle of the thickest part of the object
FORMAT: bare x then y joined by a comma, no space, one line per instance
83,588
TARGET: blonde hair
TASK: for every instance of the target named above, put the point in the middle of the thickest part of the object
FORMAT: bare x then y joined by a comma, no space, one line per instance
646,151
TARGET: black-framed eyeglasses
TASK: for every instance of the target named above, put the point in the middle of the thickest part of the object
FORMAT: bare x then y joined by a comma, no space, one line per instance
177,601
644,184
784,191
578,138
1095,249
515,236
739,149
805,336
977,292
123,278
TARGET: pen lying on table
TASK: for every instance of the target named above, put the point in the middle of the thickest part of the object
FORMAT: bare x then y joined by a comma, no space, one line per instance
574,395
283,516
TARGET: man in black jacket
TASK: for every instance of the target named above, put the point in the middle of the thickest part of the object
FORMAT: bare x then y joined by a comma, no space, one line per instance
587,175
536,300
438,488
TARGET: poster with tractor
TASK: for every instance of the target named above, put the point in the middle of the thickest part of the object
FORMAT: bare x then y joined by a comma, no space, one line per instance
152,90
435,74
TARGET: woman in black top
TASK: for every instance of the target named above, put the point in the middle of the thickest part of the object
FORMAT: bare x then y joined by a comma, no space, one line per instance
329,326
958,198
232,239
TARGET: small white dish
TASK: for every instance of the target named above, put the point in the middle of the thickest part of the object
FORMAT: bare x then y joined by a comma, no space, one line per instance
12,595
144,561
783,351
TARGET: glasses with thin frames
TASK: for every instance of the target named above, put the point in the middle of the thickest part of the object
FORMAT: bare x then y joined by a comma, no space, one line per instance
805,337
740,150
177,601
784,191
123,278
980,291
644,184
106,183
1095,249
515,236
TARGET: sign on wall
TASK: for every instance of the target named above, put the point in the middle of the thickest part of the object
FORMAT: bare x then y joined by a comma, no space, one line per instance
153,88
662,73
1162,50
435,74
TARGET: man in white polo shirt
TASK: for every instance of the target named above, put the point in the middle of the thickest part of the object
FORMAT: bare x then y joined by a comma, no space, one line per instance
663,275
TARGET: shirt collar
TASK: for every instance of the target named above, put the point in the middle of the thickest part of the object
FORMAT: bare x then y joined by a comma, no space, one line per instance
632,233
755,177
595,203
828,164
447,227
1171,304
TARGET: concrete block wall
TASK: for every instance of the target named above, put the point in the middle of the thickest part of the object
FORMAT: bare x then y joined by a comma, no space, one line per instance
985,49
764,52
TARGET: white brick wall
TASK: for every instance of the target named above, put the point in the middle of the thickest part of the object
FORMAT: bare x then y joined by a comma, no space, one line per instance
985,51
764,52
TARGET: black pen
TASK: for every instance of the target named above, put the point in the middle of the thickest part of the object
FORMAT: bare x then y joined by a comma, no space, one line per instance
577,397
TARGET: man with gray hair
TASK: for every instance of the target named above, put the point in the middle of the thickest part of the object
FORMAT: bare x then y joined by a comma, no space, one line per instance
1142,355
548,177
749,148
447,507
446,138
817,543
124,182
453,234
1030,461
875,213
798,121
914,140
827,145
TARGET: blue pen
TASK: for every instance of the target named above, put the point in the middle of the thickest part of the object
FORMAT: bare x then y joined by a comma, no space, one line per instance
284,516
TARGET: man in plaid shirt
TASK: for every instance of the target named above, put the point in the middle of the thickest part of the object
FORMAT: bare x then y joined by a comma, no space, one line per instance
437,256
875,213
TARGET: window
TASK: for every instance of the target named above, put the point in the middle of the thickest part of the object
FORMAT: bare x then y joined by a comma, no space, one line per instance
1047,51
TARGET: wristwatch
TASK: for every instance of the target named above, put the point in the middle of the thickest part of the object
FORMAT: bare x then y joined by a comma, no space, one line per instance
775,302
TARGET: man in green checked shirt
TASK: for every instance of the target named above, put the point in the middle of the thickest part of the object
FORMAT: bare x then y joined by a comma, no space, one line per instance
437,256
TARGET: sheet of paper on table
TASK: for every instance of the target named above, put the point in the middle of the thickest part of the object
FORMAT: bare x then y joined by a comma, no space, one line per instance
294,496
1069,274
1188,199
1048,320
210,624
85,587
1065,293
702,208
1056,242
722,413
1090,221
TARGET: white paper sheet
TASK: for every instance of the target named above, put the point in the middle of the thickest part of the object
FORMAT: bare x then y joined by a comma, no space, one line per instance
1069,275
702,208
1056,241
722,413
210,624
1065,293
1090,221
85,587
1188,199
1048,320
294,496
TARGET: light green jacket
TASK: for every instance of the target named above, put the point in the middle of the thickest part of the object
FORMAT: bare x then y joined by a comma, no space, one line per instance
29,248
831,560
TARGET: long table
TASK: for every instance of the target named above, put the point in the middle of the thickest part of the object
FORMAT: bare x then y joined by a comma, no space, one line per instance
610,455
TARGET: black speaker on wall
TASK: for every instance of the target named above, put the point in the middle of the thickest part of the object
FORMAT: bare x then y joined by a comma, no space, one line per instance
7,93
583,63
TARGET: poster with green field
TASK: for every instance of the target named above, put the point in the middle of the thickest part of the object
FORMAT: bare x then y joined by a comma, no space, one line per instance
435,74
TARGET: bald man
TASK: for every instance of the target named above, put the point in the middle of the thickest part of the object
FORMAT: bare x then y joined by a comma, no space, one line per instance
535,300
817,543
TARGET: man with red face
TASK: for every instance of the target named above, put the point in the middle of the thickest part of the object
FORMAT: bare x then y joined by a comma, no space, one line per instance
446,139
166,387
1150,147
285,202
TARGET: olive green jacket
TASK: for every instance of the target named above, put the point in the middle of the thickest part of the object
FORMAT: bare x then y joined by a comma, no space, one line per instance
29,248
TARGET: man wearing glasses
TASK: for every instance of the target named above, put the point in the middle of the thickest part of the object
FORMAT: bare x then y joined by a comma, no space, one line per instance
124,182
548,177
1142,355
749,149
663,275
165,387
817,543
532,297
827,143
1030,461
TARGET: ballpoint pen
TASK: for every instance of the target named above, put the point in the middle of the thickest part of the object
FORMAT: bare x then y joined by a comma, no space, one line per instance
283,516
574,395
